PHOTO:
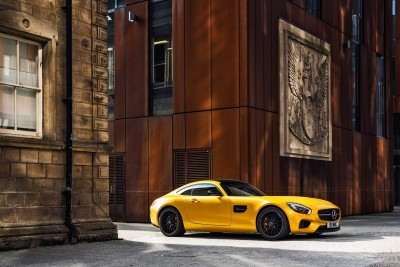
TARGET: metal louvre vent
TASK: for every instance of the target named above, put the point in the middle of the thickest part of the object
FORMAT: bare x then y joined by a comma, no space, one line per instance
191,166
117,179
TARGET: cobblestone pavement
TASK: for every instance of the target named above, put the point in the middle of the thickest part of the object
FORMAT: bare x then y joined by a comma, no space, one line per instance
368,240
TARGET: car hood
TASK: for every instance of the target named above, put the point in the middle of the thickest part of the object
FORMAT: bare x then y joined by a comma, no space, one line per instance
307,201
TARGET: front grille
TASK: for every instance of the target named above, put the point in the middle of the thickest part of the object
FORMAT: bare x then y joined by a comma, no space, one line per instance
328,215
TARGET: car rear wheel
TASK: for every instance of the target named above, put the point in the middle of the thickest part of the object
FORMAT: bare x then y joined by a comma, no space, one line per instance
273,224
171,223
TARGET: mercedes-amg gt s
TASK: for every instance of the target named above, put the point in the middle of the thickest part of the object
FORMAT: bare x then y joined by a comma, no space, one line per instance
234,206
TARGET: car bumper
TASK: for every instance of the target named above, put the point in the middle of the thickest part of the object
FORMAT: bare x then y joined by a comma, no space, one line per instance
309,224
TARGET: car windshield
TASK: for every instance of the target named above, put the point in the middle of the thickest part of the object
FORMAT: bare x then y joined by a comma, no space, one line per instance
236,188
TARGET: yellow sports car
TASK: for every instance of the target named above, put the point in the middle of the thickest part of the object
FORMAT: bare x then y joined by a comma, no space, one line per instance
234,206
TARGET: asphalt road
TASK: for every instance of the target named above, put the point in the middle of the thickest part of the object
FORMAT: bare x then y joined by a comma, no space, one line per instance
369,240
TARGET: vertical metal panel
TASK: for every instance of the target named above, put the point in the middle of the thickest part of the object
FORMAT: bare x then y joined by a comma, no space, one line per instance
267,73
345,17
178,47
380,18
119,47
226,144
259,60
268,153
225,53
136,58
198,129
355,175
137,169
119,136
244,144
369,24
278,181
312,24
179,131
299,17
243,51
160,154
251,53
197,55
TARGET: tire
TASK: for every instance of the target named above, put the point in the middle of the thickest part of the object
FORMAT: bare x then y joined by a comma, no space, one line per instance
273,224
170,222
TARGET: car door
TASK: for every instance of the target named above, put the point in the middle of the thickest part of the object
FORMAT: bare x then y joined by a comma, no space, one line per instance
207,205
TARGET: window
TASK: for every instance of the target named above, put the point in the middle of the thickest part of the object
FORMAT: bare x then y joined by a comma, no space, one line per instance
314,7
355,63
161,57
20,87
236,188
380,97
201,190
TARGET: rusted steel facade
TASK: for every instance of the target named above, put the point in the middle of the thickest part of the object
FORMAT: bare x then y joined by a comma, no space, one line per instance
226,100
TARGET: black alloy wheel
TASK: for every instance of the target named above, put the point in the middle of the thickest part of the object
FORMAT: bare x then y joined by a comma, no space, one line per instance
171,223
273,224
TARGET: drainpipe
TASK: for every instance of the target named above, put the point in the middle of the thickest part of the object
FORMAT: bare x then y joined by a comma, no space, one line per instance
68,146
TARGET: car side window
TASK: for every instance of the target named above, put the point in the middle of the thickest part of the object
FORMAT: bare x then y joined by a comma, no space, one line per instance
187,192
206,190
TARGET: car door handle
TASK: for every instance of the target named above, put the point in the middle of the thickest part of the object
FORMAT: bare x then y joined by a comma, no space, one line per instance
194,200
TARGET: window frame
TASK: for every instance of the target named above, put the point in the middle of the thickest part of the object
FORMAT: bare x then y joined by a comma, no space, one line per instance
39,92
196,186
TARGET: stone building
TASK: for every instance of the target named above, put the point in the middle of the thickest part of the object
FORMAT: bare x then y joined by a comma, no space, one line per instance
34,166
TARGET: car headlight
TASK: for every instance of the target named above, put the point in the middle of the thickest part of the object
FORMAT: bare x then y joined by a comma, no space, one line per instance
299,208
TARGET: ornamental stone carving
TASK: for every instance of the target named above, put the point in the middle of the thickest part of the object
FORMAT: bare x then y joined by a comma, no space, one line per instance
305,105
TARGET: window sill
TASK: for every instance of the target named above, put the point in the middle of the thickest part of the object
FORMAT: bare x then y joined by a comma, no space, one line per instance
30,142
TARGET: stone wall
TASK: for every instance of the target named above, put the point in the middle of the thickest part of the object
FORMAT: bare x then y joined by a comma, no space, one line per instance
32,171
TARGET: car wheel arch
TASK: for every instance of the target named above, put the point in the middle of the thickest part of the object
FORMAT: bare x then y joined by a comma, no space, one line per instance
270,206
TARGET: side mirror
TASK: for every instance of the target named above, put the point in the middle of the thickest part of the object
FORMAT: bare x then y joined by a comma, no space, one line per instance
214,192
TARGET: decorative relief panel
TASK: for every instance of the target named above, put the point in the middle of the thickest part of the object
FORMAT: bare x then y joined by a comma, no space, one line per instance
305,90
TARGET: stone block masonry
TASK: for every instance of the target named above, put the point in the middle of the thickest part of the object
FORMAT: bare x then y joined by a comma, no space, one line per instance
32,170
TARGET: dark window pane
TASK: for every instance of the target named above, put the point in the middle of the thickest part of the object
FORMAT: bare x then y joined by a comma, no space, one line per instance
314,7
7,107
380,97
202,190
356,20
26,109
161,58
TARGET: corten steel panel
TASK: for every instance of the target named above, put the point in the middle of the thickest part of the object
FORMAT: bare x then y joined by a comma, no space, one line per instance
256,148
345,81
306,178
137,203
244,144
381,173
268,153
243,53
225,53
355,174
294,176
289,11
119,48
197,55
137,154
225,144
336,154
119,131
136,43
325,32
252,146
160,154
323,175
259,61
178,130
267,33
344,17
278,183
368,166
178,58
369,24
312,24
260,174
344,170
111,131
299,17
335,79
198,129
252,53
380,27
327,12
278,10
300,3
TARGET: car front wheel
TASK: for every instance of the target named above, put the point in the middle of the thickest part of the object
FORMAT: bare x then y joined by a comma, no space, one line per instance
171,223
273,224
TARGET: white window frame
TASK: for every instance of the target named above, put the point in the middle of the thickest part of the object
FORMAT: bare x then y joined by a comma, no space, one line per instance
39,94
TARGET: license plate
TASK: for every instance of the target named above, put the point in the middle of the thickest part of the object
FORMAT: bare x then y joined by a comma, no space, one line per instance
332,224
